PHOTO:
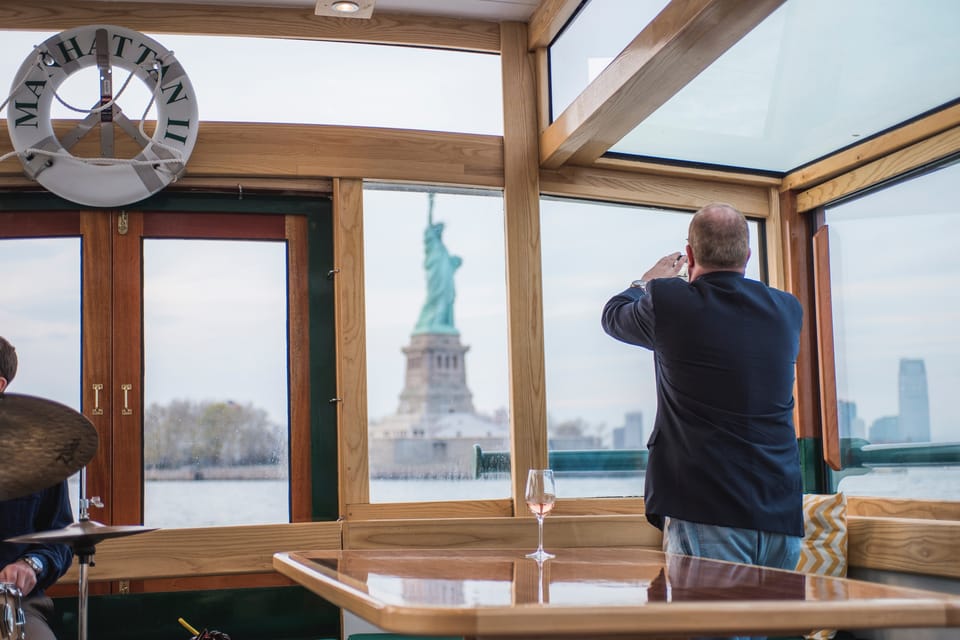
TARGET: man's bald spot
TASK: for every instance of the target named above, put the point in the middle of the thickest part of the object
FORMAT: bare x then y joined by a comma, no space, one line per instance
719,237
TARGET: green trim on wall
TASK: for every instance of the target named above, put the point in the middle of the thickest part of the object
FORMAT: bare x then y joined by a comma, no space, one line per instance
323,365
812,466
267,613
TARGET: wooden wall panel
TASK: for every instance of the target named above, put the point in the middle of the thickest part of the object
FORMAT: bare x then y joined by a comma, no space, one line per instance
195,552
298,364
903,508
927,547
513,533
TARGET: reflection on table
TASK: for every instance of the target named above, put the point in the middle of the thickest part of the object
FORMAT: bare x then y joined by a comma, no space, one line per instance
598,592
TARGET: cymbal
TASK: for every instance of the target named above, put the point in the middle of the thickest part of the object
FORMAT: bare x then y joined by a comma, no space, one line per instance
83,533
43,442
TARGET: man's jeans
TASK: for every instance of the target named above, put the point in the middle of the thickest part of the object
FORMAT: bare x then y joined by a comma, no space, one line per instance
728,543
735,545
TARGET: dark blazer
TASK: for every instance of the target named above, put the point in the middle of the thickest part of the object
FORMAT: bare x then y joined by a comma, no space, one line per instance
723,450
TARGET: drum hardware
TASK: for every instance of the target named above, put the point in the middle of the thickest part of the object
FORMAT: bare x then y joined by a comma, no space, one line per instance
82,536
44,442
12,621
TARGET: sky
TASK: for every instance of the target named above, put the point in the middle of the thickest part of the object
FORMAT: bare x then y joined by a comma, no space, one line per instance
892,272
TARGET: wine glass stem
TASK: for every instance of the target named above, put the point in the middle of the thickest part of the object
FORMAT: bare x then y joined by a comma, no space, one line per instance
540,534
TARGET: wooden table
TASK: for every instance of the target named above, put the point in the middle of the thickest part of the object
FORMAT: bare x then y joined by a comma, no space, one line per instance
594,592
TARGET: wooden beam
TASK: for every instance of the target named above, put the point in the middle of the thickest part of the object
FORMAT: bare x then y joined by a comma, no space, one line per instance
521,200
655,190
679,43
827,368
351,333
321,151
547,20
873,149
204,551
913,157
265,22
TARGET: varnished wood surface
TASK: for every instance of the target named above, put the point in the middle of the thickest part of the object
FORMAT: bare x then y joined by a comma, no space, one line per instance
903,508
595,592
514,533
269,22
920,546
168,553
827,370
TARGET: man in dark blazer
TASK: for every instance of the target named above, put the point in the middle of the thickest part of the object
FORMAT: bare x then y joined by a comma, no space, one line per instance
723,473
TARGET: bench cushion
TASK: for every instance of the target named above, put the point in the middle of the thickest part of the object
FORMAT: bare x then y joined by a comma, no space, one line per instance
824,548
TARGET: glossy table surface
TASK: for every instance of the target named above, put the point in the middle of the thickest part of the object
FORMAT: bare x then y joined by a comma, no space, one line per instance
594,592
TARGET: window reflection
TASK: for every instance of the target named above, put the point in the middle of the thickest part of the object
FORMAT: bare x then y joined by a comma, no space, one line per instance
436,343
599,394
894,268
215,383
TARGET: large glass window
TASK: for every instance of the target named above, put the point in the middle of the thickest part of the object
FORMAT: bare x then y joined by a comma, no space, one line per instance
598,32
215,382
436,343
308,82
40,317
894,269
601,394
814,77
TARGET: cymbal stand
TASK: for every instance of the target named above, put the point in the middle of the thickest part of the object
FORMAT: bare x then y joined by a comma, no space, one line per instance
84,548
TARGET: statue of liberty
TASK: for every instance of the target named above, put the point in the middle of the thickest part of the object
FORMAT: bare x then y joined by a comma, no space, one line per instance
436,316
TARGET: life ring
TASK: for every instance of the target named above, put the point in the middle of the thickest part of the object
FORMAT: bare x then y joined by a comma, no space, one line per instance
102,182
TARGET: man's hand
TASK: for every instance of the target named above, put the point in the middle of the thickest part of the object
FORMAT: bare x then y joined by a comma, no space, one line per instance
21,574
666,267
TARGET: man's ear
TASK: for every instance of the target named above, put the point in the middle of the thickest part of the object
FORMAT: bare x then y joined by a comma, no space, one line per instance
3,384
689,251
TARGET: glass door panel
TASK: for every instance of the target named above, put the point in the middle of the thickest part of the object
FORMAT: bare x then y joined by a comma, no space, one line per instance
215,429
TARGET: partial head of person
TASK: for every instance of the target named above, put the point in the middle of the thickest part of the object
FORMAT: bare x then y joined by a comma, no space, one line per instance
718,240
8,363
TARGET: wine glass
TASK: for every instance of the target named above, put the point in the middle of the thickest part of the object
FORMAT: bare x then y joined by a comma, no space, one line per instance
541,496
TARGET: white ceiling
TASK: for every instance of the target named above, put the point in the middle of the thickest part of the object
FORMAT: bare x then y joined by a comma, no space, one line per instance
495,10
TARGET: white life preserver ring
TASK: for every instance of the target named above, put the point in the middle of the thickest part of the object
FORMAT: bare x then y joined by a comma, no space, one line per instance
102,182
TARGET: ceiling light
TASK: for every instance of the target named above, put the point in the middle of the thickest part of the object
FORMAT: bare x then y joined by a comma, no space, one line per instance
345,8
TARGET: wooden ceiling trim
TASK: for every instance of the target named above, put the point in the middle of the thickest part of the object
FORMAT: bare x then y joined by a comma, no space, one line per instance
872,149
679,43
547,20
267,22
913,157
671,192
733,177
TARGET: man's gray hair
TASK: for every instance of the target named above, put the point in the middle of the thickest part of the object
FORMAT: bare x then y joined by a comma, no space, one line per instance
719,237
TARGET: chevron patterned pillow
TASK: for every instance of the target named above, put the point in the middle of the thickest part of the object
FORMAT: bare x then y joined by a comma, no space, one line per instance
824,548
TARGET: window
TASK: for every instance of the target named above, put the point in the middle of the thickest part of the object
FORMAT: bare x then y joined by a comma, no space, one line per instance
436,343
309,82
601,393
893,274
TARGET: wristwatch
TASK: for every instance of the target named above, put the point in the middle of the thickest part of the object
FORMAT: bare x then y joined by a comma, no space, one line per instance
639,284
35,563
